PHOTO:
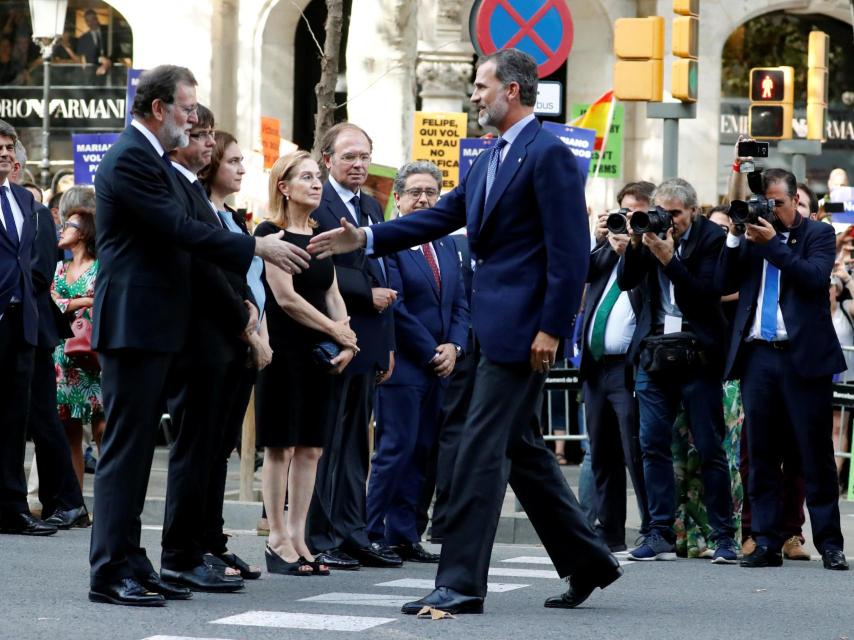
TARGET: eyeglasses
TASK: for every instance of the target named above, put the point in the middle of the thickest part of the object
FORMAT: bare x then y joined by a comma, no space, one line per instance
188,111
201,135
725,227
73,225
350,158
415,193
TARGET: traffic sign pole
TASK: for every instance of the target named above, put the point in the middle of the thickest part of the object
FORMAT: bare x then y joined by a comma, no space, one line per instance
671,113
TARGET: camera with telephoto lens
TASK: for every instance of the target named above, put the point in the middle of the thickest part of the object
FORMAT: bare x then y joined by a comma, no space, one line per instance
655,220
749,211
618,223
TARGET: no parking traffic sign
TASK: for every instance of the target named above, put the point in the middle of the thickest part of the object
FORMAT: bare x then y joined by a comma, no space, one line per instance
541,28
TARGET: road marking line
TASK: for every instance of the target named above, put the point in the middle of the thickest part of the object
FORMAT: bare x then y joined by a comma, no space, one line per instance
288,620
523,573
416,583
366,599
179,638
529,560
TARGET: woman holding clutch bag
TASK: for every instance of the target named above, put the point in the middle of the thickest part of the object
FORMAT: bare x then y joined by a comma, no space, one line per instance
78,385
295,396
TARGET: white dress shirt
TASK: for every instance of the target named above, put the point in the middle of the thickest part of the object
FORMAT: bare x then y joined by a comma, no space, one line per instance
347,198
17,214
136,124
621,321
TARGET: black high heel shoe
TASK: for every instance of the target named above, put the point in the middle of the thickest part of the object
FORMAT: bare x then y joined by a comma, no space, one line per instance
277,564
315,568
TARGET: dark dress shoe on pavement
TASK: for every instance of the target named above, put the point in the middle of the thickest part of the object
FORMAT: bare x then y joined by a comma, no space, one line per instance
155,583
581,586
202,578
127,592
445,599
337,559
762,556
26,525
70,518
378,554
414,552
834,560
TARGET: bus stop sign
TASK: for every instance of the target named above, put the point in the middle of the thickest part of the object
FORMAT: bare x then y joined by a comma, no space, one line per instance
541,28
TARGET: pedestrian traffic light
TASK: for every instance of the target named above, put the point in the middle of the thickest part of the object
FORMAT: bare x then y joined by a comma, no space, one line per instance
817,85
771,96
684,46
639,70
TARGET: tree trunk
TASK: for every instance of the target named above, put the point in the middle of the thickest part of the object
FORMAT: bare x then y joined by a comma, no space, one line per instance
325,89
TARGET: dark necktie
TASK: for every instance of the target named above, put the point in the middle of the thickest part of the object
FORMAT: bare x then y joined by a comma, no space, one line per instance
167,160
201,191
361,219
8,217
494,161
431,262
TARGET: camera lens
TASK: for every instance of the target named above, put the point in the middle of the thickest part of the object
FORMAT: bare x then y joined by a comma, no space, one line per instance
617,223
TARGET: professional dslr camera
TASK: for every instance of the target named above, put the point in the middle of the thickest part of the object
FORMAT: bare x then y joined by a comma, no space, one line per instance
656,220
756,206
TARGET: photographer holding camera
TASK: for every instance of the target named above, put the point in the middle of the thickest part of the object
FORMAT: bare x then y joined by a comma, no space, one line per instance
677,346
785,352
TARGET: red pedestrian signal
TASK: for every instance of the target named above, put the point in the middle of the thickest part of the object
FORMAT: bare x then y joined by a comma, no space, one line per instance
766,85
771,98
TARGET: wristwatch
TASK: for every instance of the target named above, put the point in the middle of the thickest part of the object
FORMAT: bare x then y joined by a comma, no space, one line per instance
459,351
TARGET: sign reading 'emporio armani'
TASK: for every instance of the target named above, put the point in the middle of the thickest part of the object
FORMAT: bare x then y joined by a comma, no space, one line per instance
101,108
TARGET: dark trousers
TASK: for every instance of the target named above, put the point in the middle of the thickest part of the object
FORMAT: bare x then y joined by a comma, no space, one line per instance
407,419
792,498
659,400
134,385
16,370
613,432
336,517
501,442
785,410
198,412
58,486
452,422
214,540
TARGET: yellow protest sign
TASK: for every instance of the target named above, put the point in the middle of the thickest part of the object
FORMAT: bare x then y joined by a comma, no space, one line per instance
436,137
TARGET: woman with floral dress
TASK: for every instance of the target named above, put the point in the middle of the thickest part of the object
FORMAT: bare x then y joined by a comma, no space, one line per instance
78,386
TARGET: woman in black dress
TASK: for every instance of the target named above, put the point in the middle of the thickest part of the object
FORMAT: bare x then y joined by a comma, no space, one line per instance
295,396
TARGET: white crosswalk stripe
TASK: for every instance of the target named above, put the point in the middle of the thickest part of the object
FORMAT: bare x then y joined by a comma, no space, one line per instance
367,599
529,560
314,621
523,573
180,638
415,583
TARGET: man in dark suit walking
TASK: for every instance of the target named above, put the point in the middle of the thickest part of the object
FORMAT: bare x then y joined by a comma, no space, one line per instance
607,376
785,351
336,519
675,270
145,240
18,337
431,322
523,205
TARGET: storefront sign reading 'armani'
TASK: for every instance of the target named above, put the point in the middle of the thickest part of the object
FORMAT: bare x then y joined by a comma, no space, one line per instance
101,108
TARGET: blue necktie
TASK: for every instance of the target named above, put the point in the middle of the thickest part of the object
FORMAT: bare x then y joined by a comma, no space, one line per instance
494,161
360,217
8,218
768,321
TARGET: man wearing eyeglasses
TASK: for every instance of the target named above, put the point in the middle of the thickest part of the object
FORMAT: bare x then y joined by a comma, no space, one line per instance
336,523
431,321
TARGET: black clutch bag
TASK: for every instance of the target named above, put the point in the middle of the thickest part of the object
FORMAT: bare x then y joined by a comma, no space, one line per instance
324,352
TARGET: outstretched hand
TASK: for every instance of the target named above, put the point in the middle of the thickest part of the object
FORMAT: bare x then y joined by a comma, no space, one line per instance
344,240
288,257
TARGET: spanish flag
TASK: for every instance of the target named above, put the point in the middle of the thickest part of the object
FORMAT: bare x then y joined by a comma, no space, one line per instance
598,117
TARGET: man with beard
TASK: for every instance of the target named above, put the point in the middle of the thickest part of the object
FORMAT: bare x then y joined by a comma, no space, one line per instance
141,317
523,205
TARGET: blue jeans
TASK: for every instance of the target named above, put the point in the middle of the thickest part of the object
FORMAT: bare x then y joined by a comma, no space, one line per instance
660,397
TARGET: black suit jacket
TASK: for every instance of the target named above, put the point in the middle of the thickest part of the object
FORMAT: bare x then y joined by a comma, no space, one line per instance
805,262
357,275
53,324
217,313
696,293
87,47
603,259
16,263
145,236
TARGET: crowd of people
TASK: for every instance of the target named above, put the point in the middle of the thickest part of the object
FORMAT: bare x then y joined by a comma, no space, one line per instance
157,295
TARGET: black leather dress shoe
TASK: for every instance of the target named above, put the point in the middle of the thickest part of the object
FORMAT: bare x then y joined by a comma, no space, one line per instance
202,578
155,583
414,552
834,560
128,592
378,554
26,525
762,556
445,599
581,586
70,518
337,559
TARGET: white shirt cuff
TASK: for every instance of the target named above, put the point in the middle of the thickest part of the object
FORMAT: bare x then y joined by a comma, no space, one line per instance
369,241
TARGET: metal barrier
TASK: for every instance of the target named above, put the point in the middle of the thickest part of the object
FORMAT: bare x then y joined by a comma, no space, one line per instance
562,381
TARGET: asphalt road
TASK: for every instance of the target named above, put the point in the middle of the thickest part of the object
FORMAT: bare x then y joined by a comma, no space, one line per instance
44,596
